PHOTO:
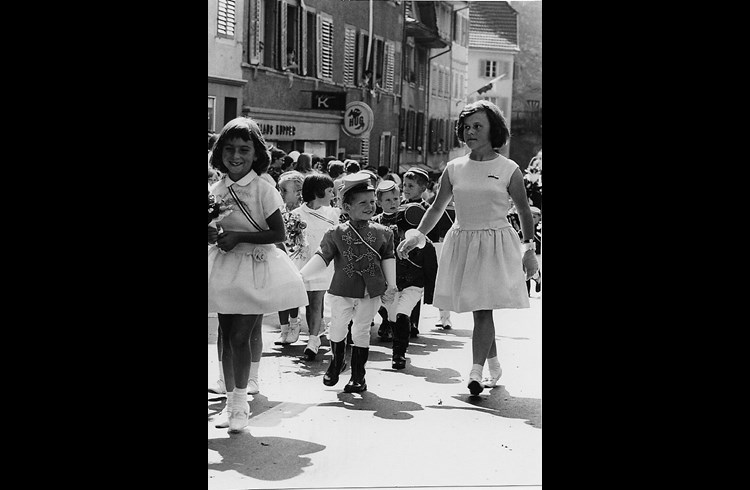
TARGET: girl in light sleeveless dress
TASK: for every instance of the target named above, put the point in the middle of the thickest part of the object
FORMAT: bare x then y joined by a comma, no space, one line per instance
482,266
247,275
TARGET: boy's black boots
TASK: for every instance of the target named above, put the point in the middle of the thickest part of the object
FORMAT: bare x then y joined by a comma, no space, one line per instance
357,382
400,341
331,377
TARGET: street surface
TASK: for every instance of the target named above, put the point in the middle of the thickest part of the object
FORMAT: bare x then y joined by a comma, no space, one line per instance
415,427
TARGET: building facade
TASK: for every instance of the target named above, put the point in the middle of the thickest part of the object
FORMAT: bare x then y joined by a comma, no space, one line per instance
323,76
225,81
493,46
527,84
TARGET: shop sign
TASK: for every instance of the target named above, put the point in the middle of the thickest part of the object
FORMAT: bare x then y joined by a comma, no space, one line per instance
358,119
332,101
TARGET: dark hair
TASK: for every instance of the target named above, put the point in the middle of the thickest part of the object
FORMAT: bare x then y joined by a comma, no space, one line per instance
277,153
248,130
383,170
357,189
304,163
351,166
419,178
287,163
335,168
211,140
499,133
315,185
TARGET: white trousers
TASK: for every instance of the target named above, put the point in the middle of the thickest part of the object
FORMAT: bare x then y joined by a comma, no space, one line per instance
405,302
360,311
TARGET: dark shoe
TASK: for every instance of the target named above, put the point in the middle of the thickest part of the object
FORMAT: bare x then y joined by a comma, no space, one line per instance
475,387
331,377
357,383
385,332
398,362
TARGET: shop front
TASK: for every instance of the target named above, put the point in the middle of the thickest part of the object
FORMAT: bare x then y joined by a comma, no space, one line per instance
305,132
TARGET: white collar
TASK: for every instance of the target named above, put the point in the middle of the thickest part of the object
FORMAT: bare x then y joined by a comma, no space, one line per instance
249,177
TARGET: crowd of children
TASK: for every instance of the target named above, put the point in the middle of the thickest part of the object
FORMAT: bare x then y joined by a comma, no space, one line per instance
304,231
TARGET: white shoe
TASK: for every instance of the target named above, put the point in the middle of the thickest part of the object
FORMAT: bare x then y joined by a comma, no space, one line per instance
491,380
252,387
220,388
223,416
313,344
295,325
239,413
284,334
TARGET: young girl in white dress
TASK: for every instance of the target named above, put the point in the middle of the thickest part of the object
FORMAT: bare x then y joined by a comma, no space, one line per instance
247,275
316,212
483,265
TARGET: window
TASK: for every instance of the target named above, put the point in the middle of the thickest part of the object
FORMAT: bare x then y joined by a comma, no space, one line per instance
211,113
494,68
421,67
378,47
489,69
285,34
230,108
409,72
419,129
225,19
433,80
411,141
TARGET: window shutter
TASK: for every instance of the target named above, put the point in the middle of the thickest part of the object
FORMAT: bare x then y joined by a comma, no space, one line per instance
226,18
326,49
302,58
390,57
256,35
350,54
281,59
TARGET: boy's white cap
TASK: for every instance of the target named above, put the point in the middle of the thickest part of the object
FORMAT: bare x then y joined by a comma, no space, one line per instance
294,154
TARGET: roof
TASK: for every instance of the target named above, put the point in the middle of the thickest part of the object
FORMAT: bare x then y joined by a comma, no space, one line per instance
493,25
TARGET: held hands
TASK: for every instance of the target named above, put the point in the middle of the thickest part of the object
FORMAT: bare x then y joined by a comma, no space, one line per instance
412,239
389,295
530,264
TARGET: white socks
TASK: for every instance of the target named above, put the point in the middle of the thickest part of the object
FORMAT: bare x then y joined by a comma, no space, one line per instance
476,372
252,381
494,364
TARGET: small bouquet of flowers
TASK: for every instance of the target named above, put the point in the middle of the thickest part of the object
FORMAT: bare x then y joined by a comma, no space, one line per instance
217,209
296,240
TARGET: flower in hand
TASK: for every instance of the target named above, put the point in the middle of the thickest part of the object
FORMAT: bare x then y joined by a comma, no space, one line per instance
296,238
217,209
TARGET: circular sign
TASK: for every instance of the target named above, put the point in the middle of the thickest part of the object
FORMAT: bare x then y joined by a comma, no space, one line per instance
358,119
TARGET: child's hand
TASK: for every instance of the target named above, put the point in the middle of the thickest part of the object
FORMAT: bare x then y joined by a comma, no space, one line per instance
388,296
228,240
213,233
530,264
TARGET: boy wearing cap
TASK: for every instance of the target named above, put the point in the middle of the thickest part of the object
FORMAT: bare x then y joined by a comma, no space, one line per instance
364,273
389,198
415,182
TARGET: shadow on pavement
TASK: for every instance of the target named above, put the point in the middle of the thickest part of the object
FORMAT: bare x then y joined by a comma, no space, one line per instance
424,345
438,375
383,408
262,458
499,402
